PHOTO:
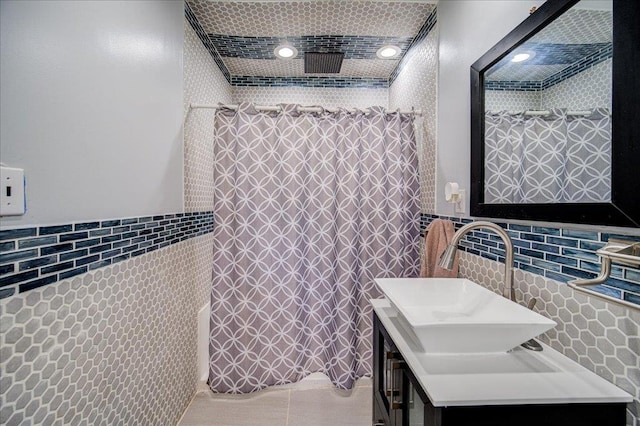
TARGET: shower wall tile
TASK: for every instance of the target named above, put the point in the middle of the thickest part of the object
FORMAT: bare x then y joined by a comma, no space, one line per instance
204,83
116,345
427,27
326,97
416,86
59,252
584,91
338,82
511,100
206,41
587,90
558,253
604,54
600,335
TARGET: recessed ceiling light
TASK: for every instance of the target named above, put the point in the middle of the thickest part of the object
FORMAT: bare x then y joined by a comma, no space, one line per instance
521,57
388,52
285,51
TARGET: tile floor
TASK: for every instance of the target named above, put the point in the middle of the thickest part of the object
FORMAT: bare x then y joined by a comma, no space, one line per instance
308,403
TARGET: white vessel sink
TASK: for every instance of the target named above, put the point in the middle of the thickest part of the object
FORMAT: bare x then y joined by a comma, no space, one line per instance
455,315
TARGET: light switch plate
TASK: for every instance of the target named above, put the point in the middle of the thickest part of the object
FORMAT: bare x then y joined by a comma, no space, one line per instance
11,191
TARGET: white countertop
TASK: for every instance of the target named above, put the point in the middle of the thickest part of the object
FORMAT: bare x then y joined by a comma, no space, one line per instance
518,377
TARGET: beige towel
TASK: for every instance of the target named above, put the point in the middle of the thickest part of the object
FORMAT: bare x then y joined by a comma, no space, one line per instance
438,235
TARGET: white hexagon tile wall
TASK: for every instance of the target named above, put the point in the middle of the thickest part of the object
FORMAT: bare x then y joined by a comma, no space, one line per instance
113,346
204,83
416,86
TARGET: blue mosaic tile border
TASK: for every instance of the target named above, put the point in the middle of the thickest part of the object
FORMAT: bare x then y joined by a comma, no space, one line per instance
559,53
424,31
37,256
601,54
354,47
604,53
204,38
555,253
513,85
334,82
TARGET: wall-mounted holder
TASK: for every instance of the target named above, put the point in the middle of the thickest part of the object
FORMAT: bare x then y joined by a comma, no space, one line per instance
454,195
616,251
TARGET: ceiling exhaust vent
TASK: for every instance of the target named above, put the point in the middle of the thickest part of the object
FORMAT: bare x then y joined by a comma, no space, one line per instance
322,63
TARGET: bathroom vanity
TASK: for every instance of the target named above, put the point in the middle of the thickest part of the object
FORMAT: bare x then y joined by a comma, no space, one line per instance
521,387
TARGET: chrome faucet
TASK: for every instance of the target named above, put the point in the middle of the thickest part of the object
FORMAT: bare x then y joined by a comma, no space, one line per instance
446,260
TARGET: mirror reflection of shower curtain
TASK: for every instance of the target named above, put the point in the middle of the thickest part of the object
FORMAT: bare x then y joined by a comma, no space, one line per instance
308,210
555,158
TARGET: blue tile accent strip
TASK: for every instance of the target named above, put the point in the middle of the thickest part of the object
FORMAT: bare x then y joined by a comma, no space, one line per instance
12,234
335,82
563,54
7,246
424,31
36,242
46,230
6,292
605,52
600,52
204,38
63,253
539,250
353,46
516,85
7,269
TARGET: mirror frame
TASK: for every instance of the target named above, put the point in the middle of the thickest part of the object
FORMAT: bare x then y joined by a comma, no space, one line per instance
624,208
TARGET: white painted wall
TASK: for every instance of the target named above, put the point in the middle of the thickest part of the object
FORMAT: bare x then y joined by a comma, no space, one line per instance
91,107
468,28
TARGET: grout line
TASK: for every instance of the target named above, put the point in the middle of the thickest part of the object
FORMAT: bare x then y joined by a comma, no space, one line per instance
187,407
288,407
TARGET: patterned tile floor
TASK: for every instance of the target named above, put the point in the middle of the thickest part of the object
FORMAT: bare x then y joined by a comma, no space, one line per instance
308,403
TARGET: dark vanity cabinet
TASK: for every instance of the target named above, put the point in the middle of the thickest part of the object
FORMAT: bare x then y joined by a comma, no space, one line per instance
399,400
387,380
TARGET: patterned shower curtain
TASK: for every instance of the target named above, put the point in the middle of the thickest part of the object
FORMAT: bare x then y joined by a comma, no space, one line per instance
553,158
309,209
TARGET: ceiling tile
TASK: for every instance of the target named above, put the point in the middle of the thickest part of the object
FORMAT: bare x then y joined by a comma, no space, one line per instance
244,34
297,18
295,68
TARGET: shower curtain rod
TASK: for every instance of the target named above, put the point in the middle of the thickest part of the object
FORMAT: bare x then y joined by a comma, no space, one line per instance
543,113
276,108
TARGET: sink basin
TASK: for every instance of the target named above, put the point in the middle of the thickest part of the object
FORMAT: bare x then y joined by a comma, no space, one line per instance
455,315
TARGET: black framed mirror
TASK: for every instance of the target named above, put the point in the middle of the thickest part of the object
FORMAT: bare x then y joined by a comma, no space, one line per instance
573,161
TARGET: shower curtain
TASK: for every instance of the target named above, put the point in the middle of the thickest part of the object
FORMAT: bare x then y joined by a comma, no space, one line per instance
309,209
553,158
